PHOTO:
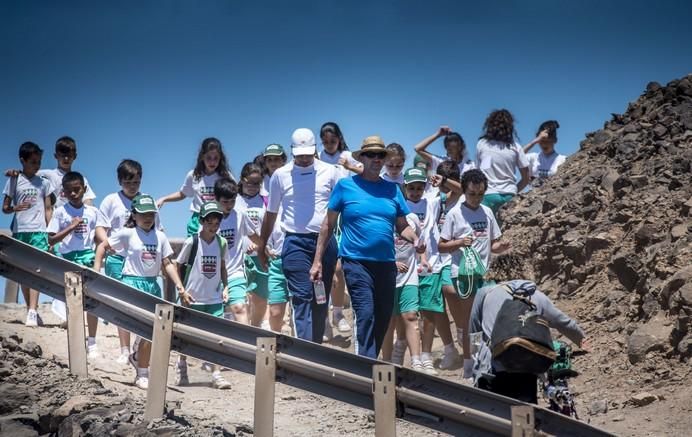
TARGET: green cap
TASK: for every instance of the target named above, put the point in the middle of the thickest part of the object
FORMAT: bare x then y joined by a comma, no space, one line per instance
420,162
414,175
273,150
144,203
212,207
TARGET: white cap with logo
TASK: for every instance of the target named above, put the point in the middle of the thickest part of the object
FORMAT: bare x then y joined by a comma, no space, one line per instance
303,142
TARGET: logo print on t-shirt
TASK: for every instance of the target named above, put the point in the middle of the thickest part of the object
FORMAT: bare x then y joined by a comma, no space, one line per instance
480,229
149,255
543,172
82,229
29,195
254,215
229,235
206,193
209,266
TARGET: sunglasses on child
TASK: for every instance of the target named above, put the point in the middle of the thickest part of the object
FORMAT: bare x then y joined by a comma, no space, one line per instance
373,155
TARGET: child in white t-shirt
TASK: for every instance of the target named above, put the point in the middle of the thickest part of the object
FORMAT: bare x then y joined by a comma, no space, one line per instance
65,155
205,279
394,164
27,196
73,226
146,251
544,164
454,146
199,182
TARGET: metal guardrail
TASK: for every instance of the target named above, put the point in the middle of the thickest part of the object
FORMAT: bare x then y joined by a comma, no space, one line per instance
430,401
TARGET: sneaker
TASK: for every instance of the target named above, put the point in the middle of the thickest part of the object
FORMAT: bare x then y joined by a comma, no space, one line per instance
343,325
92,352
417,366
328,334
31,318
142,382
398,353
181,374
123,359
468,369
206,367
449,360
428,367
220,383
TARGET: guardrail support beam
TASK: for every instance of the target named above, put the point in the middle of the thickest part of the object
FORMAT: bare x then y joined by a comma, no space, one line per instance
384,393
11,289
523,423
160,355
76,340
265,378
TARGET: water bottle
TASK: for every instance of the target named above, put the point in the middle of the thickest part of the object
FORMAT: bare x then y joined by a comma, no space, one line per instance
320,294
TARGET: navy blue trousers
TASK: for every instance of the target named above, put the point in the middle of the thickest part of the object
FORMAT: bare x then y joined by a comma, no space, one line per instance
372,288
297,257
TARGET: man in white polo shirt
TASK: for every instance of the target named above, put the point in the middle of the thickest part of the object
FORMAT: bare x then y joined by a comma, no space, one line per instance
300,191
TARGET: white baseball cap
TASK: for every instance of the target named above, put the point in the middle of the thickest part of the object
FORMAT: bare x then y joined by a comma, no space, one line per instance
303,142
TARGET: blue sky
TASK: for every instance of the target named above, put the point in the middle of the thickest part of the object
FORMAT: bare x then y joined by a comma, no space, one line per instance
150,80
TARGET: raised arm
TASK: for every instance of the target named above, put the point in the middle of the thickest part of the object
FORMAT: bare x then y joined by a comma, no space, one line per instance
543,135
423,145
173,197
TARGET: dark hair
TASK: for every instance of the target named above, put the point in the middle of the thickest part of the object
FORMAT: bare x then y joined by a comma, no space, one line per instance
248,169
473,176
225,187
551,126
72,176
211,215
259,160
27,149
449,170
499,126
333,128
131,223
129,169
66,145
454,136
208,145
396,149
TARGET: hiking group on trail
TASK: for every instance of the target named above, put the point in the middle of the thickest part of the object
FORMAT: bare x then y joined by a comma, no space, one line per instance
305,230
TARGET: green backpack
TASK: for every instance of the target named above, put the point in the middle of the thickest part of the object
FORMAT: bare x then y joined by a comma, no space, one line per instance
184,269
471,272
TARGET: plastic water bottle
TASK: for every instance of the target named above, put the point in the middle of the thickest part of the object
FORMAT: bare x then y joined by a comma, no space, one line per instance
320,294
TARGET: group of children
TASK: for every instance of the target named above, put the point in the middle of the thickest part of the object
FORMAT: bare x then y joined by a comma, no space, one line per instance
217,270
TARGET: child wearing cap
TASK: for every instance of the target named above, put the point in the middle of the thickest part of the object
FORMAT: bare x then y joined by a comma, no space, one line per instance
146,251
27,196
273,157
199,182
205,278
73,225
235,227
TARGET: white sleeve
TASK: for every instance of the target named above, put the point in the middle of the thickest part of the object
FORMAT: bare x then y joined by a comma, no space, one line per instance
89,195
187,188
104,218
522,160
184,251
447,231
494,227
275,193
166,249
120,240
436,161
6,190
54,225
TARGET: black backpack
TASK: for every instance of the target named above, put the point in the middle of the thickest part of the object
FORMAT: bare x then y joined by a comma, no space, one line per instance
521,339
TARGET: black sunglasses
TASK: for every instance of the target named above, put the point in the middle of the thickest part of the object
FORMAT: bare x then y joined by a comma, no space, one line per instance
371,155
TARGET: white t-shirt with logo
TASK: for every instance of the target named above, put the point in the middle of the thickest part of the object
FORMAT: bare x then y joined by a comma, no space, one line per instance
34,191
500,162
439,214
143,250
115,210
201,190
55,177
463,221
204,279
254,208
302,194
543,166
82,237
406,253
341,171
235,227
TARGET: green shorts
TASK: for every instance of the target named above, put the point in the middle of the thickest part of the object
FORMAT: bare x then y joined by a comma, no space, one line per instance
39,240
430,293
215,309
446,276
495,200
406,299
278,290
81,257
193,224
146,284
256,277
114,266
236,291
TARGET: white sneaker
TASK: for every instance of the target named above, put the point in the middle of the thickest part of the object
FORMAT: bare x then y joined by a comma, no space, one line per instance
123,359
468,369
449,360
92,352
398,353
428,367
220,383
328,334
142,382
31,318
417,366
181,374
343,326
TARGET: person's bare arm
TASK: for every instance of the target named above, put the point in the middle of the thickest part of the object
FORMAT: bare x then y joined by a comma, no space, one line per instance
100,252
326,230
524,172
173,197
172,272
449,246
60,235
48,205
267,228
421,148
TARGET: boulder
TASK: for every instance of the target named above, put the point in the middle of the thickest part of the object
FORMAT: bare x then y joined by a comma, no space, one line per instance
652,336
642,399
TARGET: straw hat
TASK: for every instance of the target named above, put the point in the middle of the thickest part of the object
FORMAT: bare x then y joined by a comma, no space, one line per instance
372,143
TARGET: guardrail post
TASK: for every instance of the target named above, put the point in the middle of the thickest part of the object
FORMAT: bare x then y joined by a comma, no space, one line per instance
11,289
76,340
523,424
384,392
265,376
160,355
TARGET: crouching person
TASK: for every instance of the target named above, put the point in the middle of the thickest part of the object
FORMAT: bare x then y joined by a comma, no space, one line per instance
513,319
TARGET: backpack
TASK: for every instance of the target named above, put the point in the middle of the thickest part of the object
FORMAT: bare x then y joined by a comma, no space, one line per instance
521,339
184,269
471,272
